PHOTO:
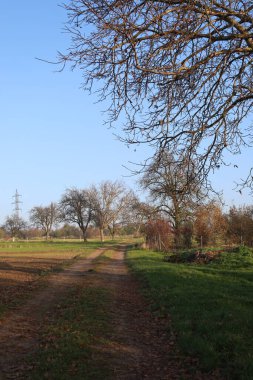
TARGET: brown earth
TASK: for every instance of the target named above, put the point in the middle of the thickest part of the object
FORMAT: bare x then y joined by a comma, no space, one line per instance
20,329
21,274
140,346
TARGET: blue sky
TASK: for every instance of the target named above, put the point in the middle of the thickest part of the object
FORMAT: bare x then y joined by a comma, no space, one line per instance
52,132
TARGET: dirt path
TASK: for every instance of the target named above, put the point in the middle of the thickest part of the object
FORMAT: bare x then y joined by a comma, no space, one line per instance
139,347
19,330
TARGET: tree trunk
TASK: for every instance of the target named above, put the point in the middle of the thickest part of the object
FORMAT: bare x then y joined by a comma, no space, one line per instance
101,234
112,232
177,234
84,235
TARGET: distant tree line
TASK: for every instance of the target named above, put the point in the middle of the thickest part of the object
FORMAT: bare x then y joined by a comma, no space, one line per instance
103,207
173,216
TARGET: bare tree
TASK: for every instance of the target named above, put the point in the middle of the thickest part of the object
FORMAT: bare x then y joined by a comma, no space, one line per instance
76,207
15,226
171,190
138,214
45,217
109,200
181,71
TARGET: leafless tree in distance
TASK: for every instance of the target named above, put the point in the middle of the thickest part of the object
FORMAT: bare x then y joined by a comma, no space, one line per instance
15,226
138,213
76,207
109,200
45,217
171,190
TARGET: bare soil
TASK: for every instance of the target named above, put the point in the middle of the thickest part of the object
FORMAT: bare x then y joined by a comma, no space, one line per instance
141,346
20,329
21,274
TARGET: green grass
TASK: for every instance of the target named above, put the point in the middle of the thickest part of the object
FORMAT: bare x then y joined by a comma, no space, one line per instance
57,245
72,341
211,307
46,246
240,258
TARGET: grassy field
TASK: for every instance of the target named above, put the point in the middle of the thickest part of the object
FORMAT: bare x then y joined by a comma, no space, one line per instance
58,246
211,306
53,246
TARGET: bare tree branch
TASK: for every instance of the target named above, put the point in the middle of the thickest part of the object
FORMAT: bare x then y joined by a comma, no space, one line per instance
180,71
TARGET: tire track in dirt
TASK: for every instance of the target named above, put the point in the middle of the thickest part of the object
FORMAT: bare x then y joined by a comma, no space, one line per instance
140,346
19,329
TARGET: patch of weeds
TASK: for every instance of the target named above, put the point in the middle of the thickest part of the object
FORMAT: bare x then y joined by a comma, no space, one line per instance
73,340
241,257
